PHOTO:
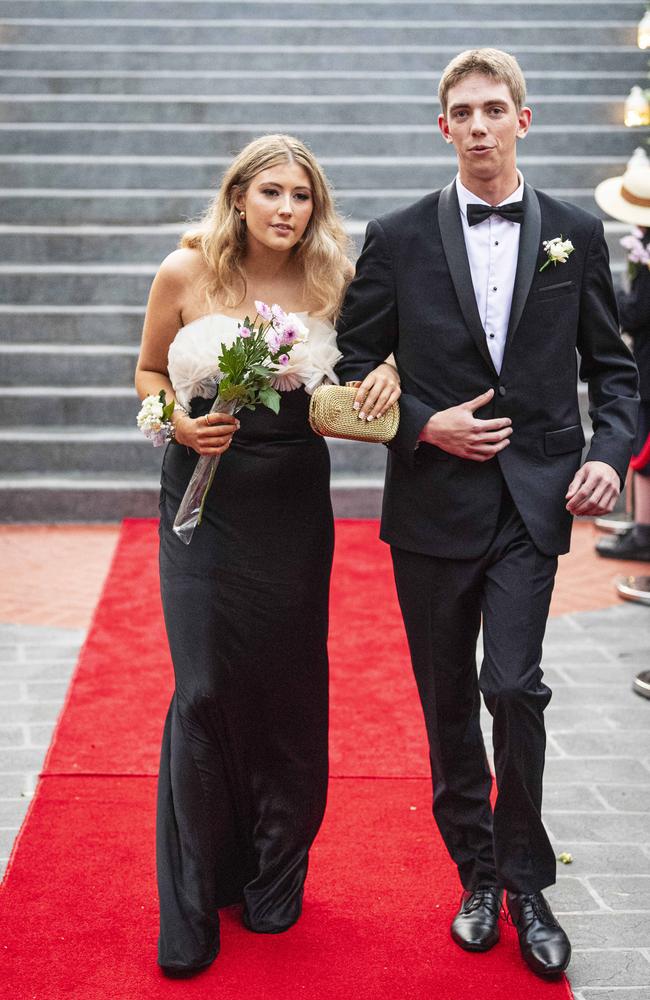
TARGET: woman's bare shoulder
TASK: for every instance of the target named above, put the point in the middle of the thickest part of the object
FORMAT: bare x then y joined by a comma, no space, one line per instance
181,266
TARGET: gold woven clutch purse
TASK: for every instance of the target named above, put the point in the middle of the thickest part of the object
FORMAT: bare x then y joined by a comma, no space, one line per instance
331,415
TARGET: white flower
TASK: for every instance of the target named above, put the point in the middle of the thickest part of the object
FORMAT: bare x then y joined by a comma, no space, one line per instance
151,421
150,416
557,250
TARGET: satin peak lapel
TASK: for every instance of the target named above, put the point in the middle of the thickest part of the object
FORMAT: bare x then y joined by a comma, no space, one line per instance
529,247
453,244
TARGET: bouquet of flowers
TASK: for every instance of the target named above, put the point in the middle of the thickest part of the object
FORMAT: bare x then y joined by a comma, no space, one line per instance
638,254
155,418
244,375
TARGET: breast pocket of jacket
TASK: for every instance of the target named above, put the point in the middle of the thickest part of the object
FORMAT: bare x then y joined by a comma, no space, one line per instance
564,440
557,290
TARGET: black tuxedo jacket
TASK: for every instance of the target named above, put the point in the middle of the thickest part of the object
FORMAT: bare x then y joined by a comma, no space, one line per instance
413,296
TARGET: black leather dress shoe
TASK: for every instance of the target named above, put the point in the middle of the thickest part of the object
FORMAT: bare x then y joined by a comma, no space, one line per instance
544,945
634,544
476,925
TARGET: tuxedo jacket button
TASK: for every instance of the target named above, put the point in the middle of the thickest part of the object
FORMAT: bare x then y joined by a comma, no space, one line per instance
501,390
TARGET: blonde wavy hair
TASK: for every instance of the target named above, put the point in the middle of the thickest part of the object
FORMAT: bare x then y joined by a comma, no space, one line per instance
221,234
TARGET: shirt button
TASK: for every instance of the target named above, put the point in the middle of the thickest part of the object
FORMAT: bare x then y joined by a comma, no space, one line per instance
494,288
491,335
502,390
496,243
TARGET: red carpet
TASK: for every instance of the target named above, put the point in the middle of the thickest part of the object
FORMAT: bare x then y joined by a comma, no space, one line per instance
78,905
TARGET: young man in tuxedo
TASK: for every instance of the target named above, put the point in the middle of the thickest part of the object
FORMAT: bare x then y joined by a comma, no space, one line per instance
485,472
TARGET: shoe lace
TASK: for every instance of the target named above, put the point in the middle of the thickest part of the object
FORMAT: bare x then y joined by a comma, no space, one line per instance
487,897
532,906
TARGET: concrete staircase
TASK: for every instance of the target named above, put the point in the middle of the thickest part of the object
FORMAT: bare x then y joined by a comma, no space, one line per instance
116,120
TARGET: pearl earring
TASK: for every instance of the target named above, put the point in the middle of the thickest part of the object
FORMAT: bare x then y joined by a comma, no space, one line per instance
242,215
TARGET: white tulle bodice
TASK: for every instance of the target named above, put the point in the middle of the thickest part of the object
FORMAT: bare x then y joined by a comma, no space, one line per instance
195,350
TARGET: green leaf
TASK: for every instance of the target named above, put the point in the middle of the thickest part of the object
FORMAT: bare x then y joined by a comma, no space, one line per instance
271,398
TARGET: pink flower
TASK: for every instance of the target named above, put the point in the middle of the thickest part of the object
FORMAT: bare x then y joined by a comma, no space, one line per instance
264,311
293,330
283,359
273,340
244,331
278,314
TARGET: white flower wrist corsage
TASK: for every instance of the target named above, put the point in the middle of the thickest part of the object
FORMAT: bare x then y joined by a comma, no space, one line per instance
557,250
155,419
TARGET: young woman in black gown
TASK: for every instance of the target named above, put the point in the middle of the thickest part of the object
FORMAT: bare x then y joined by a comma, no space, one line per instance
243,772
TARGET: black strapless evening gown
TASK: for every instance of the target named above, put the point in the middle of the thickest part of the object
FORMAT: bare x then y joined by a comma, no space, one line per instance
243,771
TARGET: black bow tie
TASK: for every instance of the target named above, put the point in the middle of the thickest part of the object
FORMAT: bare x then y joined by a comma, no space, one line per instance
513,212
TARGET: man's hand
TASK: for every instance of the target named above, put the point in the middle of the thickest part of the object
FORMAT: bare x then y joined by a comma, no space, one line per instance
459,432
594,490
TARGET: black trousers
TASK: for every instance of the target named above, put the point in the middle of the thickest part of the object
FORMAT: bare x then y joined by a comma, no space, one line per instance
442,602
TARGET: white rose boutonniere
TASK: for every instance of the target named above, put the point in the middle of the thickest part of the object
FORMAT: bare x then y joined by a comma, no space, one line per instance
557,251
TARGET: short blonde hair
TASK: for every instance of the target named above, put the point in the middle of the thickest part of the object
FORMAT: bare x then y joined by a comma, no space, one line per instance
221,235
501,66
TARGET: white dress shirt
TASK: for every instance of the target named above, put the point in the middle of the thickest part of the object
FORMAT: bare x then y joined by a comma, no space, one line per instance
492,248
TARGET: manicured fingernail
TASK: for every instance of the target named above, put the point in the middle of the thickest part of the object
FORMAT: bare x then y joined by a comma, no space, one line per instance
355,406
362,416
370,418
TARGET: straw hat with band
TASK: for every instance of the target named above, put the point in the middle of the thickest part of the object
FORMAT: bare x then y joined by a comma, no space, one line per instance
627,198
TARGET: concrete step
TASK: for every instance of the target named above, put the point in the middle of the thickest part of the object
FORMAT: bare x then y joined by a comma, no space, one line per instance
61,207
122,450
313,31
347,109
68,365
311,58
98,284
228,82
378,10
76,173
146,139
145,244
119,244
109,497
71,324
68,406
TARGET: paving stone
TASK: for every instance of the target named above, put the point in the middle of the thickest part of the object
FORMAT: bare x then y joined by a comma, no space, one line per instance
47,690
621,743
617,696
570,895
625,967
562,654
6,841
560,718
612,828
20,759
635,716
13,633
592,770
41,736
11,786
606,930
617,993
30,711
12,811
626,798
51,651
37,670
9,692
571,797
602,859
11,736
610,672
621,892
